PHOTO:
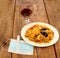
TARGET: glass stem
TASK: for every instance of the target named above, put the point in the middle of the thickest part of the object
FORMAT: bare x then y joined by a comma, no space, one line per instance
27,20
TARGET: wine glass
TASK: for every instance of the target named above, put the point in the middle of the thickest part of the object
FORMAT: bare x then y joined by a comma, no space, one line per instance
26,11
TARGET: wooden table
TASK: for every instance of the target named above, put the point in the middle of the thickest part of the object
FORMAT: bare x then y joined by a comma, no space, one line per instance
11,23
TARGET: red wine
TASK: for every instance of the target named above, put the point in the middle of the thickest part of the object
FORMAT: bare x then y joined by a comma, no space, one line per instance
26,12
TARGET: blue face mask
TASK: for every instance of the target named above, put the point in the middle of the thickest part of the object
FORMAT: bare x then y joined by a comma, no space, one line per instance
20,47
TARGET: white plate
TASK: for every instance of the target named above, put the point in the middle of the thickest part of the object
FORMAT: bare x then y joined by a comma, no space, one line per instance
26,27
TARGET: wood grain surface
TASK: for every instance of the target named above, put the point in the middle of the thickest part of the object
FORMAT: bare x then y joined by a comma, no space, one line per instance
6,23
11,23
39,15
53,12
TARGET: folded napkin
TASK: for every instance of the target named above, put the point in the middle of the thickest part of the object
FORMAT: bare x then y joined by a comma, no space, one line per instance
20,47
